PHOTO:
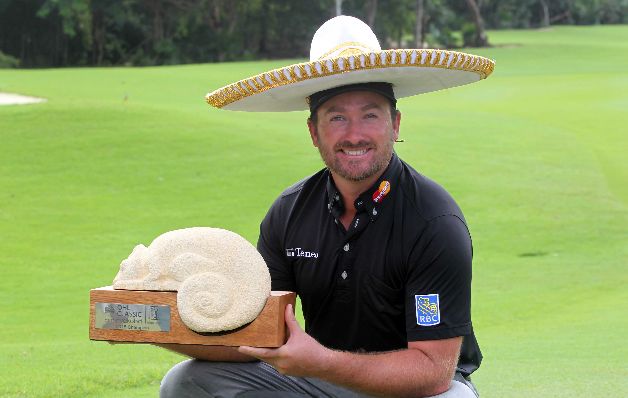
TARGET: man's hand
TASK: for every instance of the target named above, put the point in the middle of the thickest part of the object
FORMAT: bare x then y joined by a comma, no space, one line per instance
300,356
424,369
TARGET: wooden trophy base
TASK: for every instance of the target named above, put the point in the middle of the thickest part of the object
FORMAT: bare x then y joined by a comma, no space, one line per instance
267,330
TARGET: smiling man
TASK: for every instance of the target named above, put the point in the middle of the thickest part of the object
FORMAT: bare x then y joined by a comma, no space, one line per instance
360,113
386,287
354,135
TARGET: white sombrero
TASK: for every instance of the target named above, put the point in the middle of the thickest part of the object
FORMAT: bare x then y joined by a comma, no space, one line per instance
345,51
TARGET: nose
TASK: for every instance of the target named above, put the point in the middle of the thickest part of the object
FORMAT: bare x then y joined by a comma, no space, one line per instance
353,132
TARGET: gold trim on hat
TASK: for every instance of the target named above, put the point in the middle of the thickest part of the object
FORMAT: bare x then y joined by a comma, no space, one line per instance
351,48
420,58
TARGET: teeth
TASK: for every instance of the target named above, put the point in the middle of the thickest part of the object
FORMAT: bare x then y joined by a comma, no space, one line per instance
355,153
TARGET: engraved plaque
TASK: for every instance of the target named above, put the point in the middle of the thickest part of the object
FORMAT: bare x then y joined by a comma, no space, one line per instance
142,317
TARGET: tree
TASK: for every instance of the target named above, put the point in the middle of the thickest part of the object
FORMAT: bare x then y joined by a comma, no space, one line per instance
371,11
480,39
419,34
545,21
338,7
49,33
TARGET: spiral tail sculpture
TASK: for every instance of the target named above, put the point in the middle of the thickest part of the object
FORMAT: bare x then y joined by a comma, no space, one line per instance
221,279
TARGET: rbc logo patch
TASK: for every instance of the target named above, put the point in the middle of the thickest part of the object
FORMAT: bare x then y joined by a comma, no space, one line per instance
427,310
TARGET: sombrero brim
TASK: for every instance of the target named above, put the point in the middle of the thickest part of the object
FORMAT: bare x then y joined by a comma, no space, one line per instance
411,72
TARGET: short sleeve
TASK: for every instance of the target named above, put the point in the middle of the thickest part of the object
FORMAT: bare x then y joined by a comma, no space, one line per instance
438,289
271,248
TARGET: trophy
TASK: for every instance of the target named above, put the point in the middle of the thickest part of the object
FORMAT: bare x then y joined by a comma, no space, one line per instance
201,286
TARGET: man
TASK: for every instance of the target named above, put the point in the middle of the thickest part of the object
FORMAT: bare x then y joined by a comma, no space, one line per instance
379,255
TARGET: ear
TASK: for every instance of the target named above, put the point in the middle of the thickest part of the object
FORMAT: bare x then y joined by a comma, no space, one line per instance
313,132
395,126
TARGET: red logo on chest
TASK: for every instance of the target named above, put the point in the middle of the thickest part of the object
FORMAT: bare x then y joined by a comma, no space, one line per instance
382,191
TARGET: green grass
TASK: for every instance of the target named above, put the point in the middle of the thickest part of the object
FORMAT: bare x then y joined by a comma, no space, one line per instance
535,156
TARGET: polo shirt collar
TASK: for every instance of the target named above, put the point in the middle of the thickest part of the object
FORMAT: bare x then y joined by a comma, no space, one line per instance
373,199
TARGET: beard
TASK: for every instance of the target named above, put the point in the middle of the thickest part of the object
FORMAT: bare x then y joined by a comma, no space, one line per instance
357,170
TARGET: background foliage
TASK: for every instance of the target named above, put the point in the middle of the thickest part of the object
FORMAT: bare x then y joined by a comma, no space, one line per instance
45,33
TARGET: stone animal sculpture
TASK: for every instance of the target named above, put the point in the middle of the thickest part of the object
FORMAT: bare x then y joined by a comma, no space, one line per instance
221,279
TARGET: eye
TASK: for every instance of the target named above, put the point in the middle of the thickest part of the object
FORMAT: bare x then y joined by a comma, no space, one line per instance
370,116
337,118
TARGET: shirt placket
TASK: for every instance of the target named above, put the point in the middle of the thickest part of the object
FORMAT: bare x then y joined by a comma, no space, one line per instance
349,251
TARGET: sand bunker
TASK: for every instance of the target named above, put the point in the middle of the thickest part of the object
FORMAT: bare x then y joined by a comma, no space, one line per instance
16,99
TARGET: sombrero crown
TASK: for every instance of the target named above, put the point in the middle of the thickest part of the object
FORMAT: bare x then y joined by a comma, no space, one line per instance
345,51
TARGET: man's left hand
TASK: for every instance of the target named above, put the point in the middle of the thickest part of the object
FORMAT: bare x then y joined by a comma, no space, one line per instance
301,356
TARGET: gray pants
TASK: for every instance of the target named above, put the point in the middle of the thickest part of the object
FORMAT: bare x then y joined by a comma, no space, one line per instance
194,378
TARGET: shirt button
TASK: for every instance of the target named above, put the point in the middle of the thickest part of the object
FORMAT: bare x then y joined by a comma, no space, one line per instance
374,211
346,248
344,274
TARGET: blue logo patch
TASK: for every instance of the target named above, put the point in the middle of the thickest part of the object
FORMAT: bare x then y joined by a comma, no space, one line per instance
427,310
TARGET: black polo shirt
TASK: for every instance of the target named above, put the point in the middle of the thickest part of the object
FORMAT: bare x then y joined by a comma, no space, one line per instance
401,272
